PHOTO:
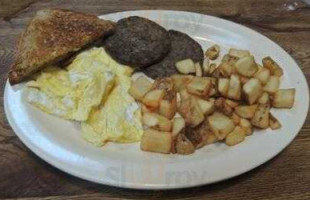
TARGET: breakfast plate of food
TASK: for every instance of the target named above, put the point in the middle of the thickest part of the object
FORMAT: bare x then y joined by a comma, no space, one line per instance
152,99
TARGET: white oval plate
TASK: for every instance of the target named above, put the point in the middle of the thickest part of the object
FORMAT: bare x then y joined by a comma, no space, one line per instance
59,142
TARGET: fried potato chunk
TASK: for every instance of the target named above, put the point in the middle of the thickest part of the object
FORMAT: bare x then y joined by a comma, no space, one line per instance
238,53
186,66
252,90
274,122
247,126
178,125
199,86
183,145
140,87
234,90
181,81
263,75
272,85
156,121
246,111
223,86
273,67
236,136
213,52
264,98
152,98
191,112
261,116
284,98
220,124
156,141
246,66
205,106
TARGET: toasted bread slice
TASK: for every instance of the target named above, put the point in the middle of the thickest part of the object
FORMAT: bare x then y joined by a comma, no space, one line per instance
53,35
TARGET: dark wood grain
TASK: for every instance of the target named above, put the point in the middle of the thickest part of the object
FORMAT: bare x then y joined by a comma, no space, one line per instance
23,175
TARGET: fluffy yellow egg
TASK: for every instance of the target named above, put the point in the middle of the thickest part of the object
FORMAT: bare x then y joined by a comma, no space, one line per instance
93,90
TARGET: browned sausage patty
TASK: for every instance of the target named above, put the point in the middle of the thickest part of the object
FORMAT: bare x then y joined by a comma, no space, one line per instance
182,47
138,42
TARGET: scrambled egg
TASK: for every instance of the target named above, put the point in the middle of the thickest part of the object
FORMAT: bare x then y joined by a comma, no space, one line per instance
92,90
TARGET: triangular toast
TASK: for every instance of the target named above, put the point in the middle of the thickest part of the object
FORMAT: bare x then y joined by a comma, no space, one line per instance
53,35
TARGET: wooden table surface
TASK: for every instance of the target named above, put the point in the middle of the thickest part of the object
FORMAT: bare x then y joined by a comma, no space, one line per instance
23,175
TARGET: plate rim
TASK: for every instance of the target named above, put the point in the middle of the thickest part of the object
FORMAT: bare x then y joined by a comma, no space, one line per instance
76,173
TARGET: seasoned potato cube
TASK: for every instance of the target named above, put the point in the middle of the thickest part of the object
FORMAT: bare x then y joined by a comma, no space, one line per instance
246,66
223,86
221,106
156,141
263,74
261,116
209,138
284,98
252,90
273,67
272,85
213,52
247,126
183,145
140,87
153,98
206,135
178,125
229,59
198,69
190,111
206,66
168,103
274,122
220,125
246,111
234,90
236,136
226,70
264,98
186,66
213,90
181,81
235,118
168,108
197,115
156,121
199,86
212,68
205,106
238,53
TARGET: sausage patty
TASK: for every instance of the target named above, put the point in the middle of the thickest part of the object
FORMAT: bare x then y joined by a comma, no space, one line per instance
138,42
182,47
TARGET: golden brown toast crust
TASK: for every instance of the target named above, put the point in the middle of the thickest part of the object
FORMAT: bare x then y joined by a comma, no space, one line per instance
53,35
